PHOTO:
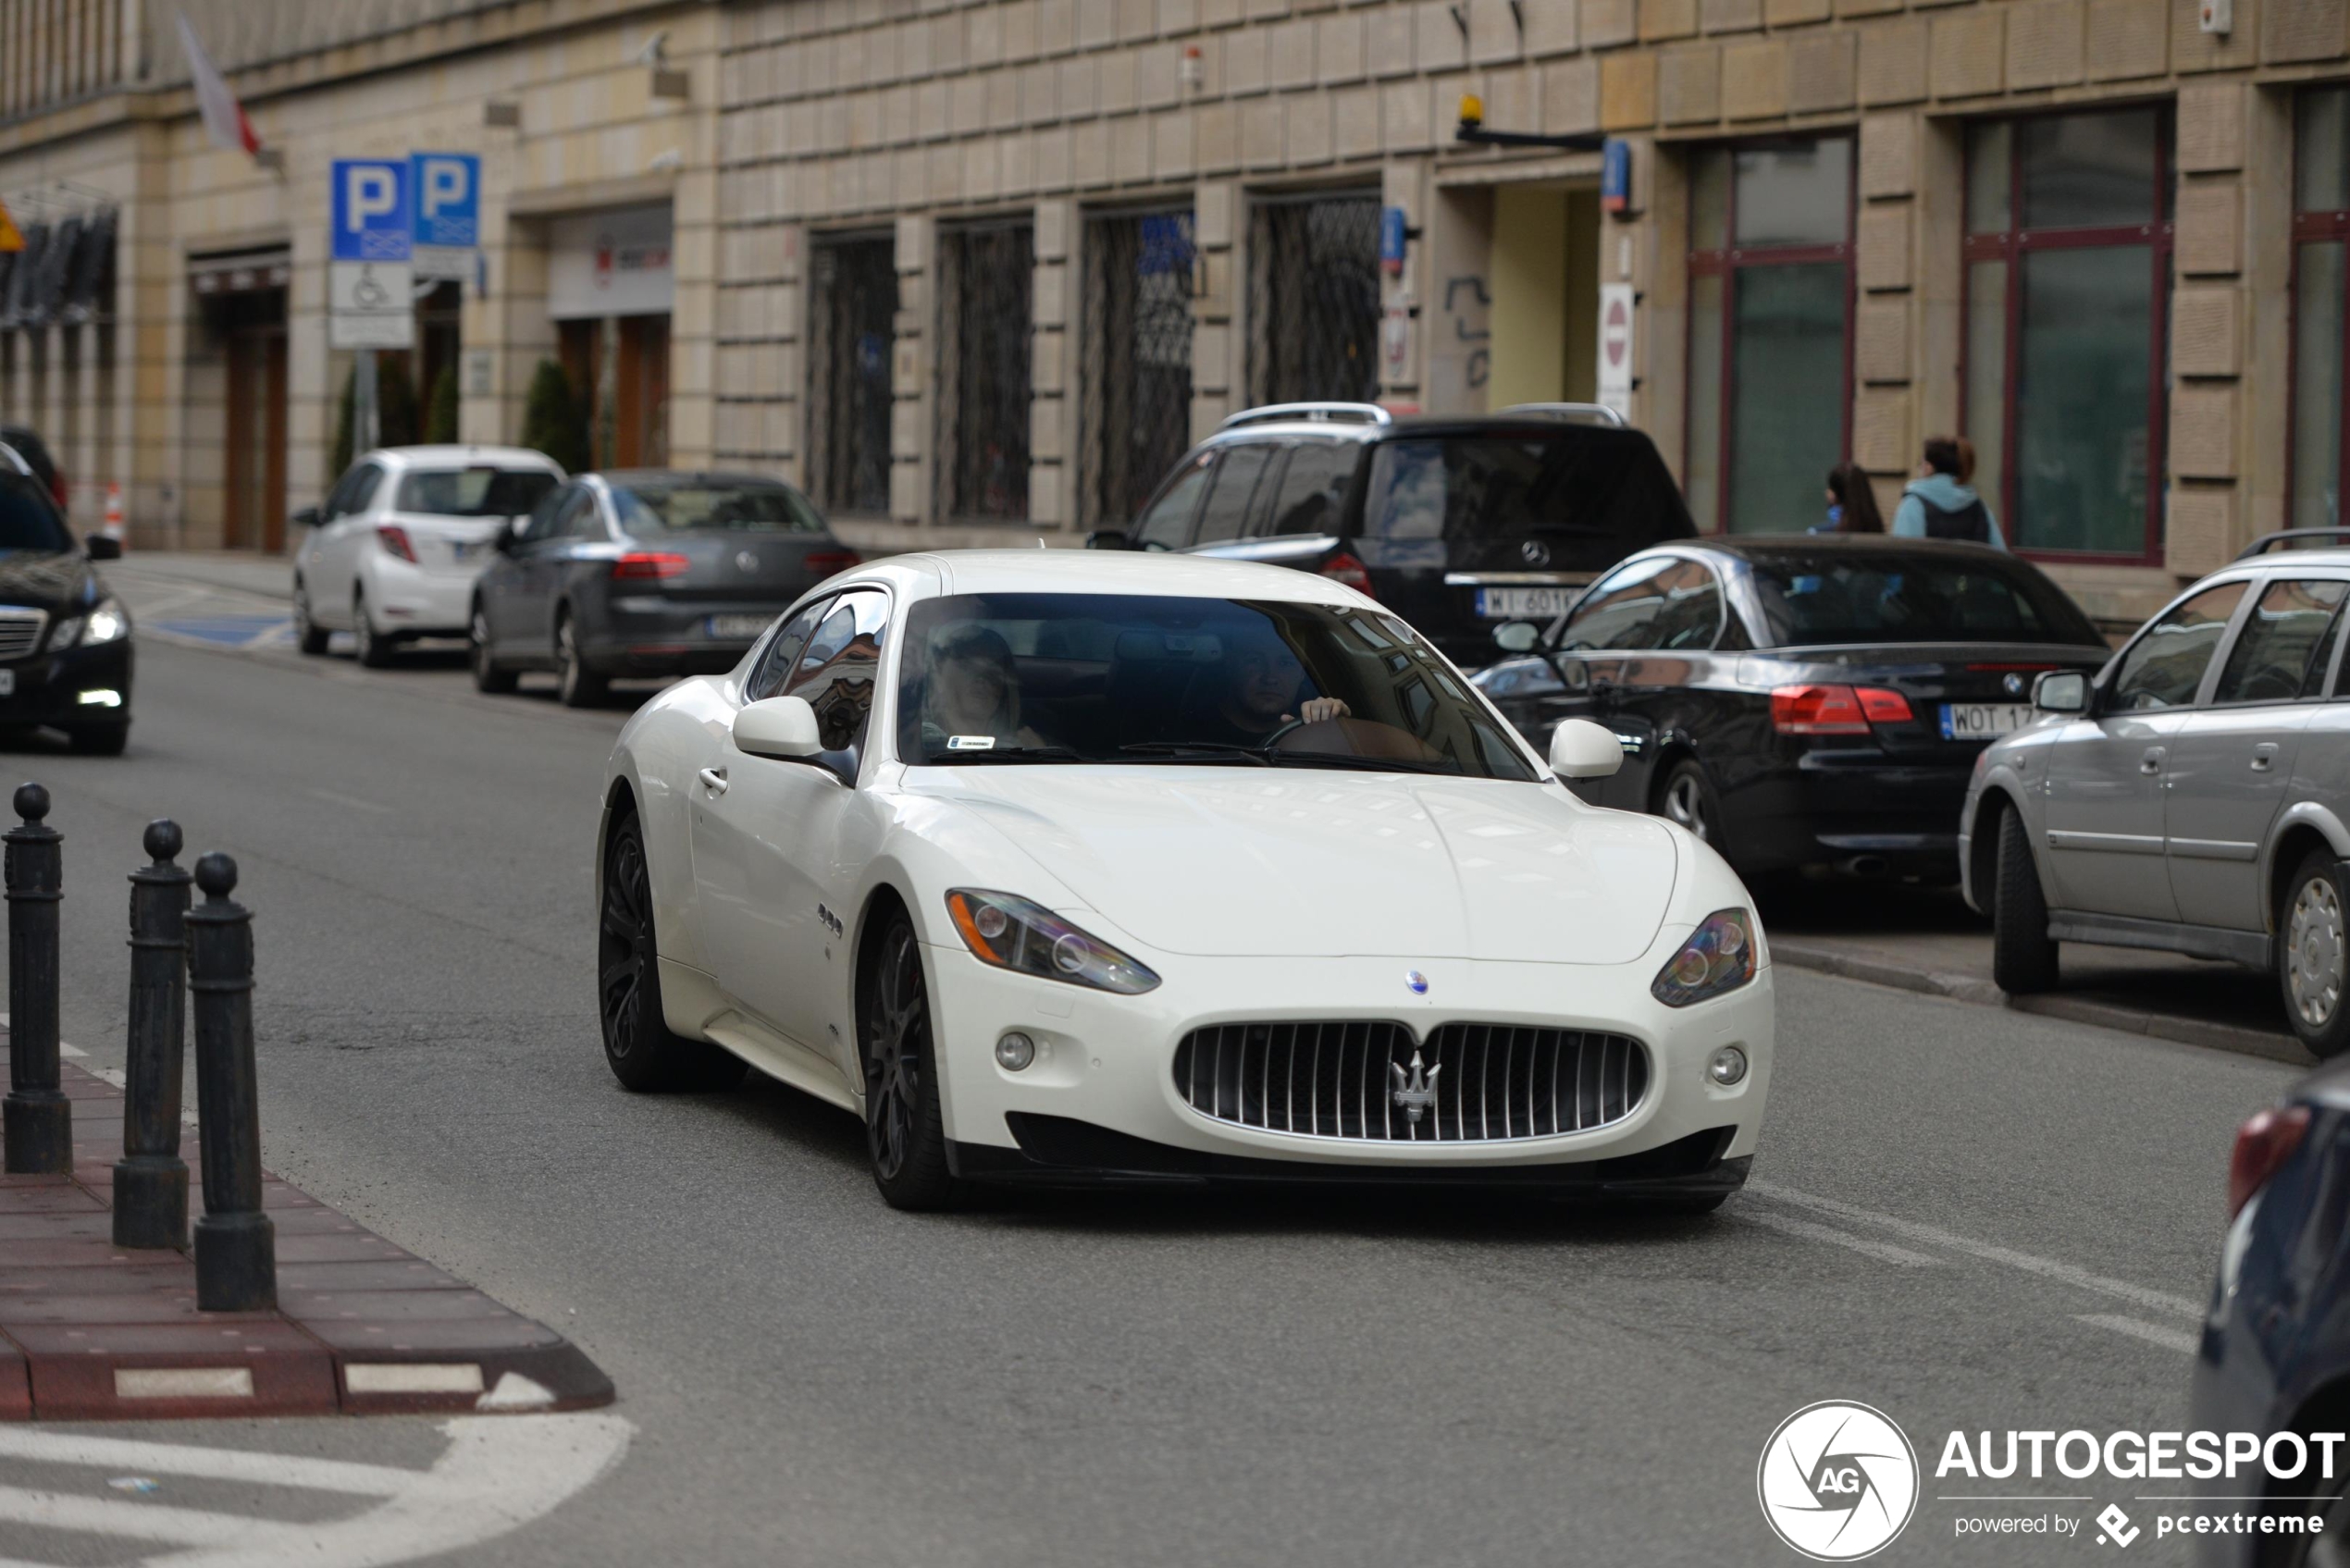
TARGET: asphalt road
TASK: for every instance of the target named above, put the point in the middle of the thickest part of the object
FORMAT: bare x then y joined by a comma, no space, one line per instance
1965,1218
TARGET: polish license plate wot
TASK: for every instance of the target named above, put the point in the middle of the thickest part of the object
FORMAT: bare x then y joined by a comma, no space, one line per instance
1524,604
1983,721
737,628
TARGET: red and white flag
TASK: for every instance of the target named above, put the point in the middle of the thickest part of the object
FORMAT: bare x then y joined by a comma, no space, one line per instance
224,117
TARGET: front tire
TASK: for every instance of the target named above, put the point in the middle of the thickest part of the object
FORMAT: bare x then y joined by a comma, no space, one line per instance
2311,940
310,636
575,685
638,1046
489,676
2023,959
372,648
905,1136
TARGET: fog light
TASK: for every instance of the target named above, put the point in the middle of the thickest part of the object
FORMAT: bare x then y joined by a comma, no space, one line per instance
1727,1067
1015,1051
101,699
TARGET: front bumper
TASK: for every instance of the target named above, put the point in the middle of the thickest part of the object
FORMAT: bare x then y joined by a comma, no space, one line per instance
51,689
1100,1101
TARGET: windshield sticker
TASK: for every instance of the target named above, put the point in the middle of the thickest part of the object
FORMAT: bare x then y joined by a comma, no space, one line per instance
971,743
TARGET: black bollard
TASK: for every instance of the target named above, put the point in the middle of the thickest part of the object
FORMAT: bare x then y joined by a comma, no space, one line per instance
151,1180
236,1244
36,1119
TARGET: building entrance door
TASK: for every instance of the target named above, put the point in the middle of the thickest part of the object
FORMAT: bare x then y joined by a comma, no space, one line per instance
255,511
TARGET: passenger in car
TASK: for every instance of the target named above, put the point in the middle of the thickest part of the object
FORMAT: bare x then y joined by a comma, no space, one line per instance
972,690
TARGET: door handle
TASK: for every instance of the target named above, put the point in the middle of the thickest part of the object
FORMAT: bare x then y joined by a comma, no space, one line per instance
2152,761
713,780
2264,755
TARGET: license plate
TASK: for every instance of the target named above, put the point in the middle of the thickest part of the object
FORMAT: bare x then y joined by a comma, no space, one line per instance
1524,604
737,628
8,683
464,550
1983,721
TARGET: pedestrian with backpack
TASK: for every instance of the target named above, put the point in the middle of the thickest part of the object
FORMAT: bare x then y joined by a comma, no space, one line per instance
1940,504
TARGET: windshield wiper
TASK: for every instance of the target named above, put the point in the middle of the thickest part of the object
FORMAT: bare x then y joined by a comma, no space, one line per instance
1004,753
1199,750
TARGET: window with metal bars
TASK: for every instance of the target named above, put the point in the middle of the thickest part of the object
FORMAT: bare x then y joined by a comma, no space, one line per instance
1313,299
985,278
1135,416
2321,456
852,310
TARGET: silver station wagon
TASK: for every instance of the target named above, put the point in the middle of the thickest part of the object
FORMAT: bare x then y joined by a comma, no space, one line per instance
2193,796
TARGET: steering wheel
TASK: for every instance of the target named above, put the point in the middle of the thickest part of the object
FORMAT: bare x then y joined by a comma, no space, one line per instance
1275,738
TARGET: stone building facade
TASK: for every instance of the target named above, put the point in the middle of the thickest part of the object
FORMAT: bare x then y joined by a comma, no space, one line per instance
975,271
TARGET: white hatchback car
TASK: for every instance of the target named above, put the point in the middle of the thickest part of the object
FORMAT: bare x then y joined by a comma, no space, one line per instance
1066,869
393,551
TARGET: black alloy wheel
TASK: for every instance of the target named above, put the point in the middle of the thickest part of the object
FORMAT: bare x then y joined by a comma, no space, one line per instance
904,1134
575,685
310,636
2312,952
643,1054
2023,959
489,675
373,647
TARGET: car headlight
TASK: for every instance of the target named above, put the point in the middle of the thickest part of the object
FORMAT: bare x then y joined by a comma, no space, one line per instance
108,623
1013,934
1718,956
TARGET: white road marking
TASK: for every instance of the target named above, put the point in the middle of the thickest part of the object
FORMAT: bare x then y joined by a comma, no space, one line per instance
497,1474
2029,1263
1883,1251
211,1464
335,798
2152,1333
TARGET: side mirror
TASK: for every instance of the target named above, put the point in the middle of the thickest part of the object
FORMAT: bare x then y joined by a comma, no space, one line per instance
780,727
1517,637
503,542
1107,539
103,547
2061,691
305,518
1582,750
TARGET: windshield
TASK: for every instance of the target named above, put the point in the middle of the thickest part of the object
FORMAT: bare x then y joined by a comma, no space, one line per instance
1593,494
27,520
1833,598
472,492
746,508
1131,678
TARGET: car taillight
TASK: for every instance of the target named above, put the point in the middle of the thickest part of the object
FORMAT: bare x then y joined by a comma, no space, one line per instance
648,563
394,539
2263,1144
1344,568
1829,708
830,561
59,488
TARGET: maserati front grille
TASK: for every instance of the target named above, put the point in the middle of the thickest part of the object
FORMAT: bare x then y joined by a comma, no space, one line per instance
1474,1082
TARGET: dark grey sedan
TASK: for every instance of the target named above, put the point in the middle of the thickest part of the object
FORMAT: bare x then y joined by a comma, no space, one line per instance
648,572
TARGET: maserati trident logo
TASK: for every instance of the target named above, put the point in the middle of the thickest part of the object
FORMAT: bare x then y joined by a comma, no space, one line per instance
1415,1090
1534,552
746,562
1415,983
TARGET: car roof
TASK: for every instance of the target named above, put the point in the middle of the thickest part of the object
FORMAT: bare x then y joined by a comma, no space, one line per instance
630,477
1763,547
1366,431
418,457
1104,572
16,459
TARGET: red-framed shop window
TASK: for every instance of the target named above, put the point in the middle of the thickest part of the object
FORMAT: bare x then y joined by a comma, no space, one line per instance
2320,286
1770,370
2065,366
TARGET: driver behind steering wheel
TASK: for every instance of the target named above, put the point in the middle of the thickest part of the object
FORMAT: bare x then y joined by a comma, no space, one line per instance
1262,678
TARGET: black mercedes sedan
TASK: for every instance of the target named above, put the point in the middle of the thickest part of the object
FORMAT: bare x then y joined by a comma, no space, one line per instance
1813,700
649,572
65,639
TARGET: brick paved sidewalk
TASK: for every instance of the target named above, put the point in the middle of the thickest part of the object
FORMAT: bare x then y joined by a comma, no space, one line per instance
90,1330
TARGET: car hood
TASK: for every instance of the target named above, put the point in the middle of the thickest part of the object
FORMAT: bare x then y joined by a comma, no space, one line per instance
1287,862
60,581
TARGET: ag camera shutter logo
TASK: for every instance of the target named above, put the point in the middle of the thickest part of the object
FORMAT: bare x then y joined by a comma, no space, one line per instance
1837,1481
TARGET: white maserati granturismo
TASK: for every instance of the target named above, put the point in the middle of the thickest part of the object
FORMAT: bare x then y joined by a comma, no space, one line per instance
1070,867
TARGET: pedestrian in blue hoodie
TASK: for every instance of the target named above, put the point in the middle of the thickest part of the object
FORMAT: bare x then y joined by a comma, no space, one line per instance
1940,504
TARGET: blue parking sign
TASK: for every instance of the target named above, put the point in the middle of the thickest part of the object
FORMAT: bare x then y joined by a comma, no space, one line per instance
445,189
370,204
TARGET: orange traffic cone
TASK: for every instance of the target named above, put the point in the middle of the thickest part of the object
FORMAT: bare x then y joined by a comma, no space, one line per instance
112,528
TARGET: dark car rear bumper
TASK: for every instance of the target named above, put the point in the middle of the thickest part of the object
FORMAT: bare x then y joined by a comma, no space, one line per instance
656,639
50,690
1859,810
